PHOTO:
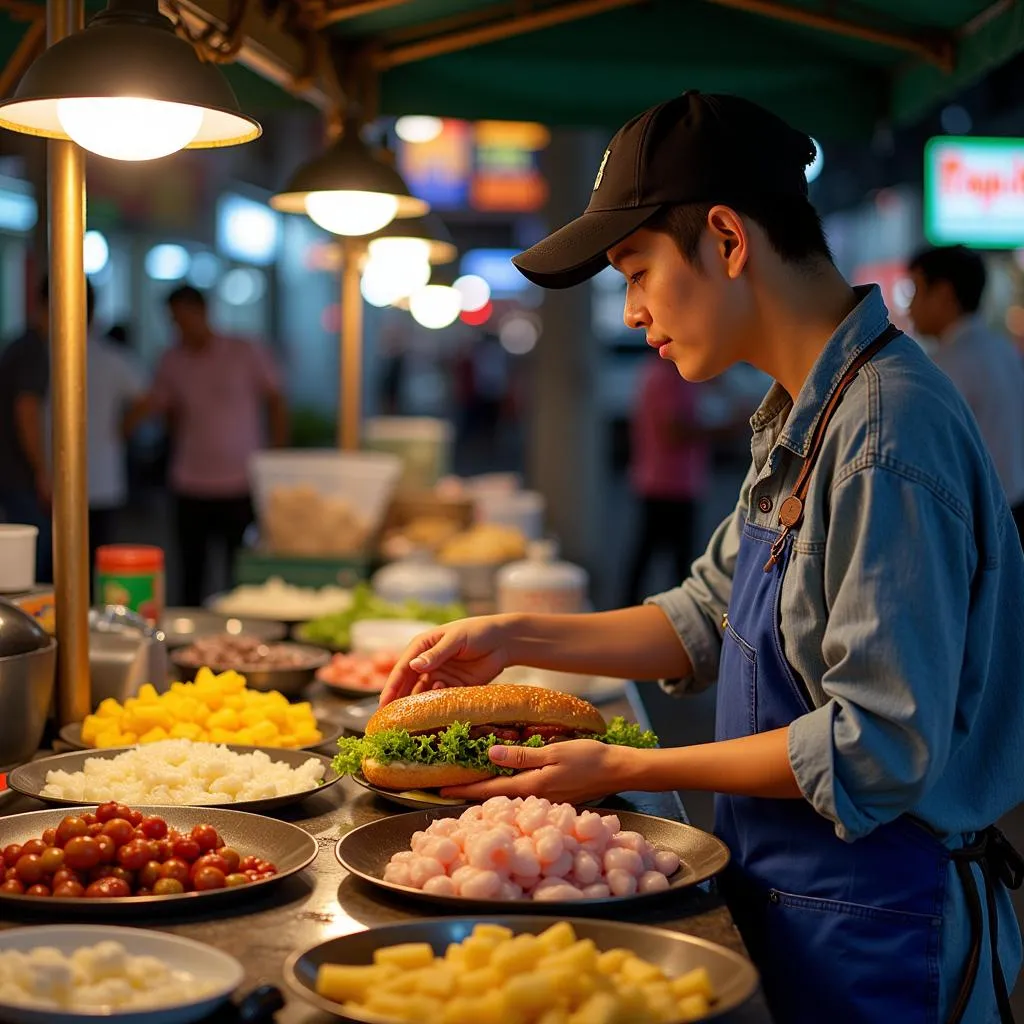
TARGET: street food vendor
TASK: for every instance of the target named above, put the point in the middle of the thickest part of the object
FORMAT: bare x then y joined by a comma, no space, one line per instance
861,609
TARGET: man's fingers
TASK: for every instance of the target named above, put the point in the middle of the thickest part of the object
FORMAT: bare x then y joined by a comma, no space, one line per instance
444,647
503,785
520,758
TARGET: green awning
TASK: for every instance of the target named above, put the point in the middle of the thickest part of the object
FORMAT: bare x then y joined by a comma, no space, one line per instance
859,62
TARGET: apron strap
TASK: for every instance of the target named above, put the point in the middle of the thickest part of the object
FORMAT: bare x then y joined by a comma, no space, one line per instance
998,861
791,511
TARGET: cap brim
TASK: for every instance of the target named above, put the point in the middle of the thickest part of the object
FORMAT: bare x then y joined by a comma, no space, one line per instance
576,253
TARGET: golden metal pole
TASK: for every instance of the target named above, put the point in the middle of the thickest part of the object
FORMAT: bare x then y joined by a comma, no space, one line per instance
66,174
350,385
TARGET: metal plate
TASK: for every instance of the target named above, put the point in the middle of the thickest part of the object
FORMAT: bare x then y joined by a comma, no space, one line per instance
417,799
734,978
290,680
340,690
182,625
287,846
329,727
205,963
30,779
354,717
365,853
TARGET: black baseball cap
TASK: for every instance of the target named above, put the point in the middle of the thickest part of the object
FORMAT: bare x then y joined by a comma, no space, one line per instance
695,148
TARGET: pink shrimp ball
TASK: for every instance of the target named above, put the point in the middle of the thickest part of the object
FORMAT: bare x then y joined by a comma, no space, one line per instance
510,891
621,883
629,841
666,862
623,860
442,849
444,826
587,867
423,868
481,885
548,843
524,860
440,885
490,851
560,867
563,817
597,891
652,881
556,893
588,826
397,873
531,819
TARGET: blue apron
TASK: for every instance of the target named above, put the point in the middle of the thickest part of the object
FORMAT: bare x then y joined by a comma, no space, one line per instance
843,933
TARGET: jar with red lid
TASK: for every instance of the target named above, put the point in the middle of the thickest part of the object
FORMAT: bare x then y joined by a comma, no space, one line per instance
131,575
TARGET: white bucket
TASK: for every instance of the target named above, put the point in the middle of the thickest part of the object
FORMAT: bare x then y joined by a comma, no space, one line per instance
17,557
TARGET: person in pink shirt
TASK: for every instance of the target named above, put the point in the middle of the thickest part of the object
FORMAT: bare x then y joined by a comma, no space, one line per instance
671,457
214,392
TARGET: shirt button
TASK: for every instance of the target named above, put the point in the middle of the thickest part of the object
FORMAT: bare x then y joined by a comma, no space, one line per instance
765,504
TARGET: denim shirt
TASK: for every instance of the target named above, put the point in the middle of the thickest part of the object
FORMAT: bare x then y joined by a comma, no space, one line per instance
902,609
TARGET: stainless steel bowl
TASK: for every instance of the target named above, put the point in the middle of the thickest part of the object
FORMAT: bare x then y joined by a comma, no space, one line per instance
182,625
289,681
26,690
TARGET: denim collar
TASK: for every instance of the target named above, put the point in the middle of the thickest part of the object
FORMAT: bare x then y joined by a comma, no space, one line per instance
865,322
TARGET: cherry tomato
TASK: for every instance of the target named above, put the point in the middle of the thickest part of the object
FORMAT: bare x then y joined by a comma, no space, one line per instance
69,828
211,860
143,891
13,887
38,890
164,850
52,859
68,890
206,836
82,853
95,829
33,847
135,817
107,888
249,863
149,873
50,837
112,871
89,818
154,827
119,830
133,855
168,887
175,868
108,851
264,875
233,857
106,812
252,875
11,854
208,878
267,868
62,875
187,849
236,878
123,811
10,873
29,869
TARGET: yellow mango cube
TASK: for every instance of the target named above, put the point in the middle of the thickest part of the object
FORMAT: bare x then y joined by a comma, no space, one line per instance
640,971
437,980
109,708
264,733
226,718
251,716
129,738
341,982
558,936
185,731
497,932
406,955
477,950
91,726
109,738
517,955
695,982
479,981
529,992
693,1007
154,734
600,1008
205,677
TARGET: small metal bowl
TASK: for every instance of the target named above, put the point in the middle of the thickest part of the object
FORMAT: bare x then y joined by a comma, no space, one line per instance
182,625
290,681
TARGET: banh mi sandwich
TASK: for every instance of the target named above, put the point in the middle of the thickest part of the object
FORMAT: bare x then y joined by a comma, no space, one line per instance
441,737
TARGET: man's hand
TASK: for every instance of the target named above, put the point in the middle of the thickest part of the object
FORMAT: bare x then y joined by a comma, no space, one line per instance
570,772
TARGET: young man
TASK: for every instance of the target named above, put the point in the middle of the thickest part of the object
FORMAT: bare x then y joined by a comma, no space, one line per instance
987,370
860,609
214,391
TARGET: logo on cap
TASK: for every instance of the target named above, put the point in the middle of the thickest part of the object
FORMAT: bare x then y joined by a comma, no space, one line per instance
600,170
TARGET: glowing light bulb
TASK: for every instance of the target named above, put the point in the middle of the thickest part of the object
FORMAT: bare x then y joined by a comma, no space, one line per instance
399,250
418,128
435,306
351,213
475,292
126,128
383,284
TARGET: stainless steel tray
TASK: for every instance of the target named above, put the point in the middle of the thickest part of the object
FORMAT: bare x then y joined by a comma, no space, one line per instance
287,846
733,977
30,779
365,853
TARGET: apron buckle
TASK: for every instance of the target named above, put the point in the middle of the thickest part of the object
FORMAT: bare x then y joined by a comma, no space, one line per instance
777,547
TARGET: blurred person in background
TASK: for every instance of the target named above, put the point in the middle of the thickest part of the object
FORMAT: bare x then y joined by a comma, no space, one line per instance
985,367
670,461
26,488
213,391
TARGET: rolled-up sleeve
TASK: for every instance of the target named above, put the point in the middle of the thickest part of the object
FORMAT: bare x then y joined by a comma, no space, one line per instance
695,608
893,646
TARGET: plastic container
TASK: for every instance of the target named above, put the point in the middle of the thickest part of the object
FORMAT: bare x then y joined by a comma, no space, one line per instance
418,579
541,583
422,443
363,481
522,509
391,636
132,576
17,557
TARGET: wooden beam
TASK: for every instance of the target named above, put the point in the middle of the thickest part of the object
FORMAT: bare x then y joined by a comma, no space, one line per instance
330,14
505,27
269,51
32,44
939,50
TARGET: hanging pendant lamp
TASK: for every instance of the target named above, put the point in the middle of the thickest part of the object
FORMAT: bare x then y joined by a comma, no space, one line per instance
348,190
127,87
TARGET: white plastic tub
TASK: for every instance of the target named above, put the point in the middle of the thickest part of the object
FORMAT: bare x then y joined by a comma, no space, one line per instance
17,557
422,443
522,509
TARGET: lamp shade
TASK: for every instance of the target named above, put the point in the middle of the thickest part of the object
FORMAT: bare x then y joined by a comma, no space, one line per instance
430,229
349,190
128,87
